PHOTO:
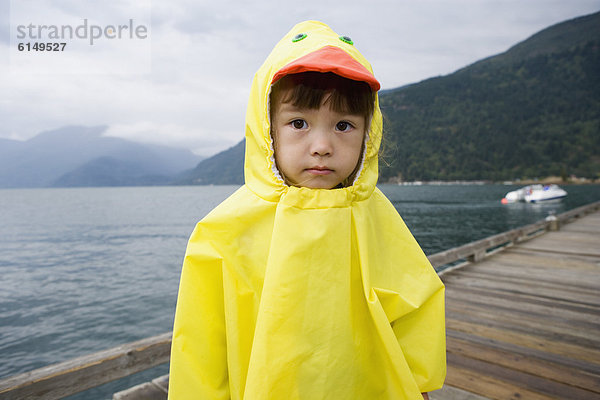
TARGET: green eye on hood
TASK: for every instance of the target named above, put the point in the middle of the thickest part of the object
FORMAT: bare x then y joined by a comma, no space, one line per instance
346,39
299,37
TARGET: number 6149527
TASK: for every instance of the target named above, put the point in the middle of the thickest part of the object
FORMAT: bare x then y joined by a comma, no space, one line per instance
41,46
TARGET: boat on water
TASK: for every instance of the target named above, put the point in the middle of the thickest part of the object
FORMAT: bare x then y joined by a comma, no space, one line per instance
535,194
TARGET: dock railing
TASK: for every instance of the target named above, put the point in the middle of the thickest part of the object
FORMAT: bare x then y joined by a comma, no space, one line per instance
479,249
82,373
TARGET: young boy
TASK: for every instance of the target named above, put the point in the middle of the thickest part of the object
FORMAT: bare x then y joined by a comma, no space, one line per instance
305,283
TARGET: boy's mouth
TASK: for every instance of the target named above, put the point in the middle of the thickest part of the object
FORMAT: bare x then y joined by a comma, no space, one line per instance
319,170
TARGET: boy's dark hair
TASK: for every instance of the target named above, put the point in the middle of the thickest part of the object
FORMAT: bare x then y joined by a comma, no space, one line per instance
309,88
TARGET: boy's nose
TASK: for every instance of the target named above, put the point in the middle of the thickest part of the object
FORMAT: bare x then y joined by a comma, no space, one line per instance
321,144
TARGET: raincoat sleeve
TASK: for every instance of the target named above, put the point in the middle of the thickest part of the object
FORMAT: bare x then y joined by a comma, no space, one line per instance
198,354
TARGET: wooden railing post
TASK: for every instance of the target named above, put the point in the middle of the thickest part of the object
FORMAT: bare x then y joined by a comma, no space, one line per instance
477,255
76,375
553,223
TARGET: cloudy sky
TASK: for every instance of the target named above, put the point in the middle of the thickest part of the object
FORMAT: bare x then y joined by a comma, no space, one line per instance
186,83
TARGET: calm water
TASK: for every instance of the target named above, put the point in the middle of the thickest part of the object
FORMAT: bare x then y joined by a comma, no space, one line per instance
83,270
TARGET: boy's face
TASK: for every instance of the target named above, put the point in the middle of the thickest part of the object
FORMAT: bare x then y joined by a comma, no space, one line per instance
316,148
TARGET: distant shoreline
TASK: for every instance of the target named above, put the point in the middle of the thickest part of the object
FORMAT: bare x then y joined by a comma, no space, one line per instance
544,181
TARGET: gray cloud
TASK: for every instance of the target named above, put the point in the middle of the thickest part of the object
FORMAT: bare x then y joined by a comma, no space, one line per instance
4,22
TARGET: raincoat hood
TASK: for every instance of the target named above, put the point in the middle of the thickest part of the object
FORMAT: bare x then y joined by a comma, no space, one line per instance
298,293
309,46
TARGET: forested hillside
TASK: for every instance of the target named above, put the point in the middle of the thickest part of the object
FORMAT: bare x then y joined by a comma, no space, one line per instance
224,168
531,112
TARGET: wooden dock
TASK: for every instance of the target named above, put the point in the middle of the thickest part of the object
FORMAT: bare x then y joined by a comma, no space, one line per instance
522,316
524,323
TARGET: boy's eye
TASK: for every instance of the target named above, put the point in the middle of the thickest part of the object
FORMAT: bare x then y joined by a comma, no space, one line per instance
299,124
343,126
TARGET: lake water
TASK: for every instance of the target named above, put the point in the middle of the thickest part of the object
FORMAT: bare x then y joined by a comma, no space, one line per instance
83,270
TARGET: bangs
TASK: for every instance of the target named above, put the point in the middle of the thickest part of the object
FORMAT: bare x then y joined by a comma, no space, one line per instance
309,89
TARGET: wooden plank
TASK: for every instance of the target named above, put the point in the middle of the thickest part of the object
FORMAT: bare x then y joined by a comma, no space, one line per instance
537,327
451,393
578,212
576,356
489,386
551,248
76,375
567,243
516,290
565,303
155,390
590,221
584,229
525,361
162,382
584,232
531,383
145,391
588,225
497,266
508,265
585,226
528,321
578,316
563,247
531,300
548,277
521,298
587,368
545,261
549,291
526,314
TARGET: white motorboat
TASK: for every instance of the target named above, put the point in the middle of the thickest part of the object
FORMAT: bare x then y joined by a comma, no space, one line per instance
535,194
515,195
539,193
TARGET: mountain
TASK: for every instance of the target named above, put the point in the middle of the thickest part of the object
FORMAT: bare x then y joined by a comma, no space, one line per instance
79,156
224,168
110,171
532,111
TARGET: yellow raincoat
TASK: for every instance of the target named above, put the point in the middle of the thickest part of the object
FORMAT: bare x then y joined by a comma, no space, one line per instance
299,293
